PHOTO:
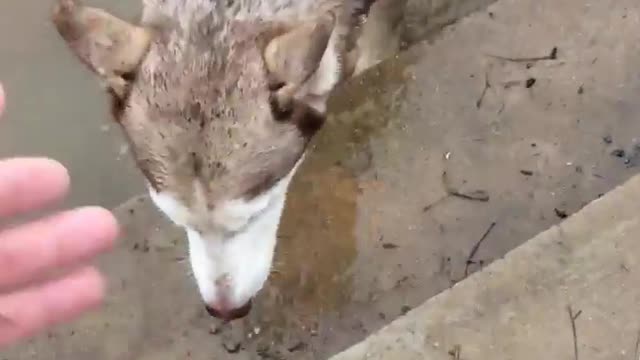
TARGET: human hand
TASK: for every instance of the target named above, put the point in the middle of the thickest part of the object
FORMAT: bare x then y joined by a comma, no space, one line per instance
30,299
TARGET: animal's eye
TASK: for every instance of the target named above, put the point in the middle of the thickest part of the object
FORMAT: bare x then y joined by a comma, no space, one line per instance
275,85
119,98
117,104
310,121
281,110
129,76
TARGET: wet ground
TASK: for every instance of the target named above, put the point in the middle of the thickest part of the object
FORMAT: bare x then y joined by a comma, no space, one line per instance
431,167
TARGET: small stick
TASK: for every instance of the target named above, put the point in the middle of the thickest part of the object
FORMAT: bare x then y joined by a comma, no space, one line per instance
553,55
455,352
635,353
437,202
572,318
477,195
487,86
475,248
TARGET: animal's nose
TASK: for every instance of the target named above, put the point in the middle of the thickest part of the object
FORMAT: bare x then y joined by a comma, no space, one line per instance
229,314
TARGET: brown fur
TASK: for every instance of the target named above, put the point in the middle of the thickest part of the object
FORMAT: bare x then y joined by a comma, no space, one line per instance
222,94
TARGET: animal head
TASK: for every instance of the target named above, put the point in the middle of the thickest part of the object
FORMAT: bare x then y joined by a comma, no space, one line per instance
218,101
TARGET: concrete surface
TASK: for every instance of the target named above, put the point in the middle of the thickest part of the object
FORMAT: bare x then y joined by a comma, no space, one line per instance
518,307
369,230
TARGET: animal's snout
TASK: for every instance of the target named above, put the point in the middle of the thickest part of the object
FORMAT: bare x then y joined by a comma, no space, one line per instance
228,313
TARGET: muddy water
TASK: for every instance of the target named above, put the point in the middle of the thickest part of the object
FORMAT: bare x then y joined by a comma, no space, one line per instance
56,108
370,230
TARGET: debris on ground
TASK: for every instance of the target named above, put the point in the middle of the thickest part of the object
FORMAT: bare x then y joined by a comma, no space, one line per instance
475,248
214,330
572,318
232,347
455,352
620,153
553,55
297,347
560,213
487,86
474,195
530,82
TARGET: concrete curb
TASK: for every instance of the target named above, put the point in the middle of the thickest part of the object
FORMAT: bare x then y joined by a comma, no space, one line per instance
588,263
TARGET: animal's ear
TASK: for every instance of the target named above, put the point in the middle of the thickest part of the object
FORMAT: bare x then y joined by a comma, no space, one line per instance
110,47
295,55
305,60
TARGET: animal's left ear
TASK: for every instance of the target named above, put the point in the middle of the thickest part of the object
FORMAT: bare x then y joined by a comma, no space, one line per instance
306,60
110,47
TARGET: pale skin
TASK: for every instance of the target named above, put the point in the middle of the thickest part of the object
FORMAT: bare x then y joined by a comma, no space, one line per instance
64,243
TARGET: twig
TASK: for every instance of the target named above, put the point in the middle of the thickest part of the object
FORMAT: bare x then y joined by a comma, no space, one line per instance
635,352
475,248
487,86
553,55
435,203
455,352
572,318
476,195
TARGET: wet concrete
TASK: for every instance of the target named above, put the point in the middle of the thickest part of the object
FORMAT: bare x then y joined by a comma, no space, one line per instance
370,229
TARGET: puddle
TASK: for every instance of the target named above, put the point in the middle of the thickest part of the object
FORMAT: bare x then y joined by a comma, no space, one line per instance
320,234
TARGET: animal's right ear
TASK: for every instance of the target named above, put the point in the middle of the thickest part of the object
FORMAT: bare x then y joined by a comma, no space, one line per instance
110,47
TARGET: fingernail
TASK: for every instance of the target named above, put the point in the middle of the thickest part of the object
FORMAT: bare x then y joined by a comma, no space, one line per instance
105,228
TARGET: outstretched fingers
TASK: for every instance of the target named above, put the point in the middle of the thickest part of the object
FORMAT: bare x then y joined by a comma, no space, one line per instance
29,251
27,312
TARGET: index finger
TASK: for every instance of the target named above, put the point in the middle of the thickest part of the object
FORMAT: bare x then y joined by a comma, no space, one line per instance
28,184
33,309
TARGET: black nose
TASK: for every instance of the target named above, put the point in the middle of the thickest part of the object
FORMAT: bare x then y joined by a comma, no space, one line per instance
232,314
